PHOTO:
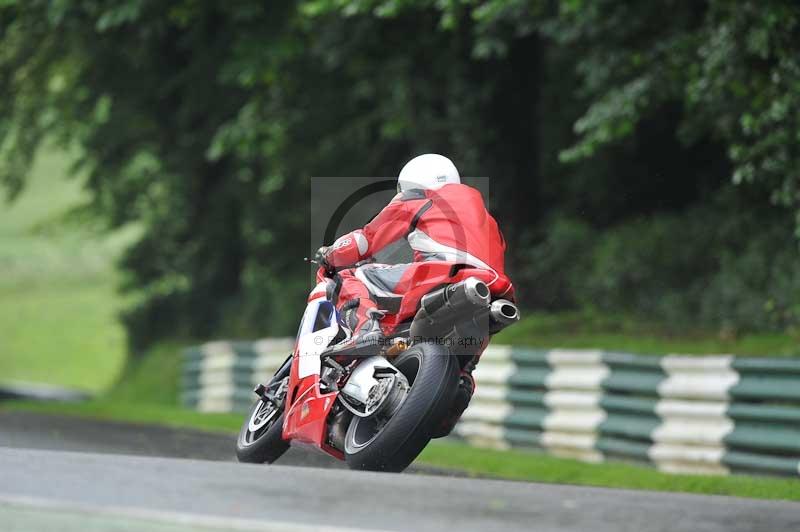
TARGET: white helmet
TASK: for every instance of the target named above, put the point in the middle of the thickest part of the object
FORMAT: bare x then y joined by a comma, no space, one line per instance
429,171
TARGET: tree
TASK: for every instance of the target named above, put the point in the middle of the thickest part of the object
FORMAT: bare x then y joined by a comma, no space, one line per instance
203,121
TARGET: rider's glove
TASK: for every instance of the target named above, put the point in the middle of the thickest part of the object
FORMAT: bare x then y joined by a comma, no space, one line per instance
321,256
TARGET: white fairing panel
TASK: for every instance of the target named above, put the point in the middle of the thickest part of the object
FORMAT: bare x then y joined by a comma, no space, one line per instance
311,343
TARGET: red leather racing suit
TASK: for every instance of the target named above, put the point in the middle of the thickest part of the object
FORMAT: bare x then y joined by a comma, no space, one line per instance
449,224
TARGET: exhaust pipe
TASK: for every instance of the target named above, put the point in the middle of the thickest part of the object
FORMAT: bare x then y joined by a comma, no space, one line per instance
502,313
440,310
469,292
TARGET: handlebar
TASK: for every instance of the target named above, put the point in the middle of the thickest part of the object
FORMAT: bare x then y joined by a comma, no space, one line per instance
332,271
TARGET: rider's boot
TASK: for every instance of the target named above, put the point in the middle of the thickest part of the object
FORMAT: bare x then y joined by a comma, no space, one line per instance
466,387
367,338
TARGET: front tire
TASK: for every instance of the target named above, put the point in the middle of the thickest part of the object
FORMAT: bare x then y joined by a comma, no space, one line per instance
433,376
261,443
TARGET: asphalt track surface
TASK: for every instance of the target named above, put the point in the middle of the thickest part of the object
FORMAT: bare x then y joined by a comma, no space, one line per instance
67,474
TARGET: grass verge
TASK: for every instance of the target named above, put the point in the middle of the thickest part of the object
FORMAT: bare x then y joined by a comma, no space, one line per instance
58,306
538,467
60,333
147,393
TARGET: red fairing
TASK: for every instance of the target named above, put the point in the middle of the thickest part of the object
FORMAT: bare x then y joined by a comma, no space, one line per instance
447,224
307,411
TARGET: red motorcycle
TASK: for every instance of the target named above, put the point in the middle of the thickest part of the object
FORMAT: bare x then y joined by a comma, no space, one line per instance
379,411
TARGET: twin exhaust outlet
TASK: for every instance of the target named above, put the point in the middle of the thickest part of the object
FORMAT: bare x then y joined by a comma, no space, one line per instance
468,300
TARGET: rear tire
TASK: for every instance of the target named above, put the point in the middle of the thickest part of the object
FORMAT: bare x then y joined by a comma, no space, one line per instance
433,375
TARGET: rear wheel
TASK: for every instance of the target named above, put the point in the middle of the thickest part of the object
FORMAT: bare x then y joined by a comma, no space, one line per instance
260,439
378,444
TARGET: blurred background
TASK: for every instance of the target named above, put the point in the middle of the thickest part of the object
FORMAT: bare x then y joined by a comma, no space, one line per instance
156,157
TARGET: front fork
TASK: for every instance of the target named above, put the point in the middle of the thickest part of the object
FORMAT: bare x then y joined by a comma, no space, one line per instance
265,392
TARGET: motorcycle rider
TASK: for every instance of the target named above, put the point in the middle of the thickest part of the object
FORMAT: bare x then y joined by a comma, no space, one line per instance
442,220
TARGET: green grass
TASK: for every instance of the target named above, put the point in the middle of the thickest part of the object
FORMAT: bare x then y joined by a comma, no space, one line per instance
48,191
152,378
596,331
531,466
60,333
148,393
58,307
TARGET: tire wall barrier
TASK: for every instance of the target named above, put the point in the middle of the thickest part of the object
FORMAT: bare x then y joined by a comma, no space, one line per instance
715,414
220,376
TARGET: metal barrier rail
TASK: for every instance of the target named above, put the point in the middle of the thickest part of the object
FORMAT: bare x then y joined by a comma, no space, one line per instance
685,414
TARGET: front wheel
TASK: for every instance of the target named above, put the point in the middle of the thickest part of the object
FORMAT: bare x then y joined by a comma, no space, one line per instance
377,444
260,439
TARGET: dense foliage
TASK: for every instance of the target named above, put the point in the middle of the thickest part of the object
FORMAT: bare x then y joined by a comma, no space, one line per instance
644,155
